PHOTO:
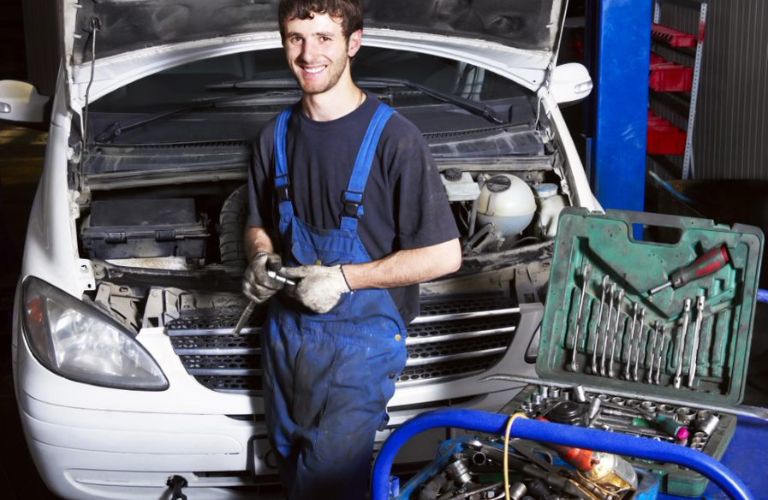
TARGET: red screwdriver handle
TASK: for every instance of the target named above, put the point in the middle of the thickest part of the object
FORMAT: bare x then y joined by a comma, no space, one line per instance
710,262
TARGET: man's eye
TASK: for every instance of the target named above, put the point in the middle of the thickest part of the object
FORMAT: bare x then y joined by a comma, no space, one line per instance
325,39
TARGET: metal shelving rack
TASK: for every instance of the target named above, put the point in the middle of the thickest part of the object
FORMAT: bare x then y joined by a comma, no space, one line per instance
688,169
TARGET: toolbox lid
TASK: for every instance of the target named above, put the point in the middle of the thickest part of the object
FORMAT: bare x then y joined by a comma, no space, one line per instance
633,343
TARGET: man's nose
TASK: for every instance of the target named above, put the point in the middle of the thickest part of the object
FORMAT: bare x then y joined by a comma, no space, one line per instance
308,50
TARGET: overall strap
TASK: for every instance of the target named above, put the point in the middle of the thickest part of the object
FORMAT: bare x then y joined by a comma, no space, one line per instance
282,181
353,196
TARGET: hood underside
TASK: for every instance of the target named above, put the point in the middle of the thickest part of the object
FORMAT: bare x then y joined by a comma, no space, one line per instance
127,25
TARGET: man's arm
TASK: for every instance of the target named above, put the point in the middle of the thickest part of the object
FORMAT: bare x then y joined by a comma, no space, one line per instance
405,267
257,240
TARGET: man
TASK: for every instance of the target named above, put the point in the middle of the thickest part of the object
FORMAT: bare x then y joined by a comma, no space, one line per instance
344,195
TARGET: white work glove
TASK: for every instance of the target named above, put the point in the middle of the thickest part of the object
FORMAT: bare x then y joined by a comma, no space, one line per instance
257,285
319,288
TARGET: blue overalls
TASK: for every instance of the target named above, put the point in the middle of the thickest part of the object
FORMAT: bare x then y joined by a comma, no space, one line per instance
328,377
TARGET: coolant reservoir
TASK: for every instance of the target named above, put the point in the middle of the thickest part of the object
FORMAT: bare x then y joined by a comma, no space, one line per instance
507,202
550,206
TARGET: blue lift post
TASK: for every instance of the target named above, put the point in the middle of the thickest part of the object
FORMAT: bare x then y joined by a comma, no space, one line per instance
620,52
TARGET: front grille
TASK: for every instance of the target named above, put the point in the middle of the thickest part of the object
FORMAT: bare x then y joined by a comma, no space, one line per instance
453,337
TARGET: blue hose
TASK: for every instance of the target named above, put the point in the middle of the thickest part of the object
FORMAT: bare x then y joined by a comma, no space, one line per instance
568,435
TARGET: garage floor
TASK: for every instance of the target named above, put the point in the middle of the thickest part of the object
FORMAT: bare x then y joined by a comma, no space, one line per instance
21,156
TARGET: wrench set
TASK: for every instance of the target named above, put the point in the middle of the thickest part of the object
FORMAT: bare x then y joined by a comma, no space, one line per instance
612,334
666,316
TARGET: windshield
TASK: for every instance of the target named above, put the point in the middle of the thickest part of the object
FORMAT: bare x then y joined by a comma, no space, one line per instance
200,80
230,97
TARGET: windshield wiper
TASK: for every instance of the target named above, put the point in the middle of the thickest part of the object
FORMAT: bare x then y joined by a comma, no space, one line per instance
116,128
263,84
286,87
473,107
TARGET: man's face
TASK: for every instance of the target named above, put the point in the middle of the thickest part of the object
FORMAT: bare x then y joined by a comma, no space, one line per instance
318,53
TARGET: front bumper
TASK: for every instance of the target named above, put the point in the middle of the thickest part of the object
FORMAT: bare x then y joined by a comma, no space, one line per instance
96,442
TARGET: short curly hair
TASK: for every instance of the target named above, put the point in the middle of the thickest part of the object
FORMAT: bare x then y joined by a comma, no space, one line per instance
350,12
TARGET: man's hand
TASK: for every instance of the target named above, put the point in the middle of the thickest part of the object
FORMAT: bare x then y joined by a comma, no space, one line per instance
319,288
257,285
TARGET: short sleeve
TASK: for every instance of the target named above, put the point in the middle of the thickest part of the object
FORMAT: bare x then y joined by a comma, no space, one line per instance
422,212
259,181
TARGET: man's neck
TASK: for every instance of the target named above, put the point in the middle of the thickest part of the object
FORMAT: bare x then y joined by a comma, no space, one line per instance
334,103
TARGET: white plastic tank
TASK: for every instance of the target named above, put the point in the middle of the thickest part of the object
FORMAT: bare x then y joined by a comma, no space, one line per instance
550,205
507,202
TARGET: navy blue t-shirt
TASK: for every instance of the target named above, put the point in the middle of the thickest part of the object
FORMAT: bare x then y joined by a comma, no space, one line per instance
405,205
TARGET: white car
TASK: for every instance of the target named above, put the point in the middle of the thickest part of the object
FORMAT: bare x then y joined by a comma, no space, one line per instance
127,374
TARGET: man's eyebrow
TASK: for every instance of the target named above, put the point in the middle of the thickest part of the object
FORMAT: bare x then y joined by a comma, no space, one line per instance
318,33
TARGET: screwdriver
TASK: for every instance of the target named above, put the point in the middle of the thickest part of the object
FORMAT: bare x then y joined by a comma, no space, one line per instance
712,261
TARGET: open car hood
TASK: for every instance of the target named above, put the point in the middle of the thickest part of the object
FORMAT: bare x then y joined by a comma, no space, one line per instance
517,39
127,25
513,36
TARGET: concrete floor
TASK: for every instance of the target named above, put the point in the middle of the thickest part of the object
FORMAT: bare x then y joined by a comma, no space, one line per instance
21,155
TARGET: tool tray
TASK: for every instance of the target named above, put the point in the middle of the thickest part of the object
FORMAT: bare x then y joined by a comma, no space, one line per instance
634,344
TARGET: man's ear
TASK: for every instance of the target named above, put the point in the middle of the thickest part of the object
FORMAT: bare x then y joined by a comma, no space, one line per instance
355,41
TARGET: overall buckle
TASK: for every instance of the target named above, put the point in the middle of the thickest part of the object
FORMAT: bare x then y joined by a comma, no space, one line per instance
352,209
282,194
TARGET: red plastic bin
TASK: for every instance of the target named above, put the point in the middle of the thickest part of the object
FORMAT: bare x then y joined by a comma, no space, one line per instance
663,137
667,76
672,37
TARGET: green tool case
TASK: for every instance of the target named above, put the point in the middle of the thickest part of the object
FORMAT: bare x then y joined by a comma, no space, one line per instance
634,343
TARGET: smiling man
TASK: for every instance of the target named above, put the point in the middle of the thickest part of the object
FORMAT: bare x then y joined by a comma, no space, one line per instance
347,204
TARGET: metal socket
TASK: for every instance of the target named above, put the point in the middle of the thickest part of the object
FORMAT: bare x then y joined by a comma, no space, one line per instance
517,491
648,406
709,425
579,395
666,408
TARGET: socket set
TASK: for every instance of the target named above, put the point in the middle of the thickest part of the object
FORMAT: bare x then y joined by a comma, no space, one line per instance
699,429
669,319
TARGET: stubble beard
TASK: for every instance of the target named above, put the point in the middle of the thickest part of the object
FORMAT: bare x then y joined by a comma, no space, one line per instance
336,71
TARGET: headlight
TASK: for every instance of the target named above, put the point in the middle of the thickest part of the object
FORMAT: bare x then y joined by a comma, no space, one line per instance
79,342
